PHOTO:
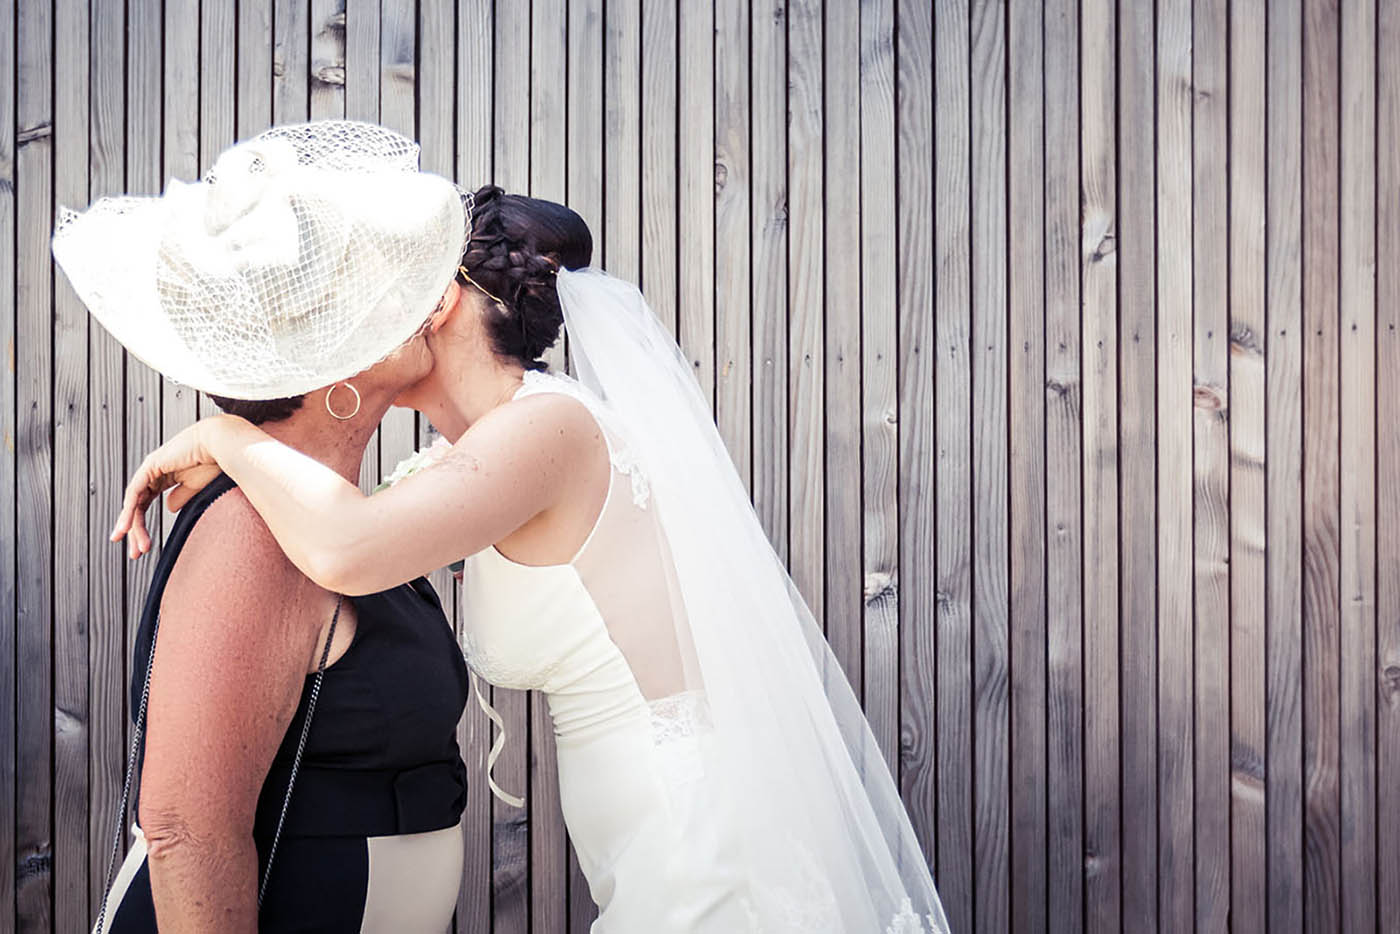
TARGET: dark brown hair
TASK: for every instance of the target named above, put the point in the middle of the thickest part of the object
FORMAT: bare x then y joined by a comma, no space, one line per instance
259,411
517,246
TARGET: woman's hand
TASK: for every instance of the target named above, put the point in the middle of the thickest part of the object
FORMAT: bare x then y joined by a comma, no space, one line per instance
182,463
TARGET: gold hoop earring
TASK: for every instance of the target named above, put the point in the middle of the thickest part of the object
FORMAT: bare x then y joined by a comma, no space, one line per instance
334,413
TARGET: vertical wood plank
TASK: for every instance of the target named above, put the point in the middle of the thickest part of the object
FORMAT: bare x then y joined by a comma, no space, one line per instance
1388,464
1174,276
254,69
9,533
917,593
1137,492
585,195
806,302
511,877
1356,271
696,174
475,64
71,560
1099,245
1063,475
33,709
106,411
1283,433
879,344
733,315
1321,702
841,332
291,61
180,159
1248,577
622,173
1026,426
327,68
769,276
952,235
989,360
659,132
1211,483
549,849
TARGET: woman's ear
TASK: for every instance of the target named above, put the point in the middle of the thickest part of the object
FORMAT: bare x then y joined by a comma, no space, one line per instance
450,299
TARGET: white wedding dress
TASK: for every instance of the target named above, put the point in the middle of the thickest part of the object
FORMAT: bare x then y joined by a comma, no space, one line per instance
666,842
597,637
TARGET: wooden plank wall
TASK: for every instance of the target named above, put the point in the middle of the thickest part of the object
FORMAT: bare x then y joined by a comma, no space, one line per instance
1058,342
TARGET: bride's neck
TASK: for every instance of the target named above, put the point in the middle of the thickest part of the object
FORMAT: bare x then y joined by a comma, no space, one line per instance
476,381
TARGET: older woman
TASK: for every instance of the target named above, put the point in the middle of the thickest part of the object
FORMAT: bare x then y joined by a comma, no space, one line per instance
300,769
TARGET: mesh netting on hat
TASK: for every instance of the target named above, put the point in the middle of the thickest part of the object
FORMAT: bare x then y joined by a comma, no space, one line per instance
305,255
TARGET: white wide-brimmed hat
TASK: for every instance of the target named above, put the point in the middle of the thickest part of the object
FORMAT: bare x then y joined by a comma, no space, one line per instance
306,255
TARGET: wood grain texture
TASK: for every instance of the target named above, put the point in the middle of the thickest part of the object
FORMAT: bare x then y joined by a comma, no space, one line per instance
1064,538
1356,331
1388,465
71,544
695,181
33,453
660,128
9,537
917,595
1248,570
1283,530
1211,413
1099,269
1175,270
1320,468
732,287
952,534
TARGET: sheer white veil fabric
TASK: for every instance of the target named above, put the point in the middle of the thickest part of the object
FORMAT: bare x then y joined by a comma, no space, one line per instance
822,831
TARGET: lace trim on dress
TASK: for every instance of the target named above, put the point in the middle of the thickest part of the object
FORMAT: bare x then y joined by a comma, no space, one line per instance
623,460
680,716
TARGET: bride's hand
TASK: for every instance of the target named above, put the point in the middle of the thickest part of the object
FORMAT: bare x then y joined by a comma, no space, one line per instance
182,463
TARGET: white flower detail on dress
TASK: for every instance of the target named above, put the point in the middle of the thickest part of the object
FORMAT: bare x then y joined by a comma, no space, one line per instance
907,922
418,460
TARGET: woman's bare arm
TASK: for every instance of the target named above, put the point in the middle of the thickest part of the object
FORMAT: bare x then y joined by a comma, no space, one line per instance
231,658
519,462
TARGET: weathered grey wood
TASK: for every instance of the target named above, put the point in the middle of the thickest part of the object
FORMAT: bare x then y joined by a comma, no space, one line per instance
1211,477
1388,464
1248,572
1099,238
1175,753
1064,577
1026,427
9,533
806,301
475,64
917,591
72,554
1137,488
106,468
549,849
33,447
733,313
254,68
695,175
660,127
841,132
1283,355
291,41
769,233
989,358
622,97
1321,623
1356,274
879,343
952,250
327,69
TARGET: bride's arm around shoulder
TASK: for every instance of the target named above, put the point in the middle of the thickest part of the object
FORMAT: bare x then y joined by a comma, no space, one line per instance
517,462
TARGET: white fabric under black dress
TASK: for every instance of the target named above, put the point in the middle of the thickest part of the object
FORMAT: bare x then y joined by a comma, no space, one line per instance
373,837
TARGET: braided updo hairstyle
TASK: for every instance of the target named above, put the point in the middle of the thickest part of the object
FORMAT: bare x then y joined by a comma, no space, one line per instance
517,246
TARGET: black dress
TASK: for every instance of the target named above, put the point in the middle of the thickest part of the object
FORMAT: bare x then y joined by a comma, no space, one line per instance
381,763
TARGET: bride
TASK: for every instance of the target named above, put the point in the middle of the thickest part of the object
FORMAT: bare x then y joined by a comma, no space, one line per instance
715,771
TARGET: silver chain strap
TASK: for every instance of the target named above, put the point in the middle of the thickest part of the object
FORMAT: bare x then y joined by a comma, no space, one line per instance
100,927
